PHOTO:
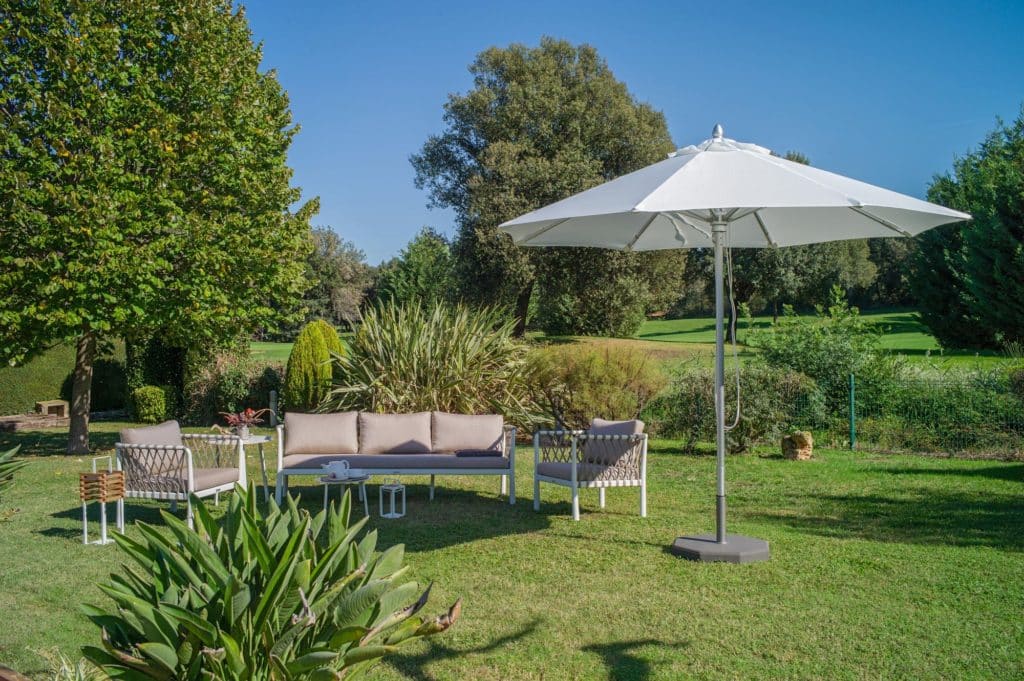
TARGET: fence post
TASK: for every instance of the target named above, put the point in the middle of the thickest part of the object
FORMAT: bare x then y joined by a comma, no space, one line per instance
853,414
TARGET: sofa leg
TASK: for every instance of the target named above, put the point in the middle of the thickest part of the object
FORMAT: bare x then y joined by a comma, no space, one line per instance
575,503
280,487
503,485
600,496
431,487
512,488
216,498
174,507
188,514
643,500
536,494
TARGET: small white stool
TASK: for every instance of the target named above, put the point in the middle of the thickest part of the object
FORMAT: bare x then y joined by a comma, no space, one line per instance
393,488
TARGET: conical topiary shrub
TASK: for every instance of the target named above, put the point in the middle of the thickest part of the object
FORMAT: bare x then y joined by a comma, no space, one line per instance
308,374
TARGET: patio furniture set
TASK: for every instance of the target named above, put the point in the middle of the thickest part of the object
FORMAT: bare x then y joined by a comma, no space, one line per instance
161,462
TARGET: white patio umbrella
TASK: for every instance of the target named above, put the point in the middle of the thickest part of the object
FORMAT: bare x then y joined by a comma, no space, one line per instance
719,194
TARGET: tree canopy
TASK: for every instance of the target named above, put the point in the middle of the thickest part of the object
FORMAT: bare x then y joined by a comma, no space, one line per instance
970,276
424,271
540,124
143,180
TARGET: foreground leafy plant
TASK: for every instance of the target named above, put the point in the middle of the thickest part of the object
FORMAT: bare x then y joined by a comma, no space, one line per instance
282,596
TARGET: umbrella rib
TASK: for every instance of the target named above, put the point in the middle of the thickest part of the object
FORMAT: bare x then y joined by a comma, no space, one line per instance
881,221
764,230
640,233
543,230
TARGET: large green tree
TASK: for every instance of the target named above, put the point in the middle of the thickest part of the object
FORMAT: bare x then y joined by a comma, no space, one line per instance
339,278
970,276
143,180
540,123
424,271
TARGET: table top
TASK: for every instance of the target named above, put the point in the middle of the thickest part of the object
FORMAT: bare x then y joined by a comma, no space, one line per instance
256,440
327,480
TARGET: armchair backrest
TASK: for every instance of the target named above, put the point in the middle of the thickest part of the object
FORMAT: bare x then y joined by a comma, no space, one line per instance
613,443
151,449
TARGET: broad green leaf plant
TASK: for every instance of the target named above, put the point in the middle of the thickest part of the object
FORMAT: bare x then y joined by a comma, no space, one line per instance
277,596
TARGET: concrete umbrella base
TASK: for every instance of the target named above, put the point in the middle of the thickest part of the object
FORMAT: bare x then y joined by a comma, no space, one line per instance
736,549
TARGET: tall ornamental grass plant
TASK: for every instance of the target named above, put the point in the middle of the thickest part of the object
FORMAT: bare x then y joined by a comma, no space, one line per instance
455,358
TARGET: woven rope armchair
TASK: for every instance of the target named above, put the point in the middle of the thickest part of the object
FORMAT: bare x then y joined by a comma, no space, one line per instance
162,463
601,457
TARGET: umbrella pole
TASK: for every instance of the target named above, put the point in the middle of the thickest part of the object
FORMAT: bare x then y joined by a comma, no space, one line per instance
717,232
720,547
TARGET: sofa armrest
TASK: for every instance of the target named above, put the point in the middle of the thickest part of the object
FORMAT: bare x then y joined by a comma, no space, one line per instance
280,446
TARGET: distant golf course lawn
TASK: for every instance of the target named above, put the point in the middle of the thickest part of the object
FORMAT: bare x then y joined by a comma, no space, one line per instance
670,339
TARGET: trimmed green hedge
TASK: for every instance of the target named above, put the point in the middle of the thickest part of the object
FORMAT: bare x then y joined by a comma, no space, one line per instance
48,377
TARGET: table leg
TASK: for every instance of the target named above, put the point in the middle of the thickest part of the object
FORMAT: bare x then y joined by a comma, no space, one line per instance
263,471
366,503
326,487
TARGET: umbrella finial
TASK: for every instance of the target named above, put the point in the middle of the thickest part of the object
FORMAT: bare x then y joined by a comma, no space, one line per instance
718,133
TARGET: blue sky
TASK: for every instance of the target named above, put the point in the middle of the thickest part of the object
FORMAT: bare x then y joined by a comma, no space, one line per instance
884,92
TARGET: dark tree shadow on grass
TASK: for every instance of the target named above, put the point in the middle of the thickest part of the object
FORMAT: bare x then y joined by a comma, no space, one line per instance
622,660
54,442
1014,473
922,516
413,666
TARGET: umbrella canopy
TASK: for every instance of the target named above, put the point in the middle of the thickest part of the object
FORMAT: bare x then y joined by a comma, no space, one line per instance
767,201
718,194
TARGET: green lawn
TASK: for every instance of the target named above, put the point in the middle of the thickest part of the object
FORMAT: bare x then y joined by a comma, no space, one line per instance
883,567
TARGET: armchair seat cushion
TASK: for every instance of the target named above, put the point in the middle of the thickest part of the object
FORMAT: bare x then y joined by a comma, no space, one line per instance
207,478
370,462
584,472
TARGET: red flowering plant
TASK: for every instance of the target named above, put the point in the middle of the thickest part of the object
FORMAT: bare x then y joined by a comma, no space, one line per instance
240,422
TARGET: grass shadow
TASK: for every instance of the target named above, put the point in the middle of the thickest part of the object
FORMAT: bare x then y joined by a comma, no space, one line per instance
922,516
1008,473
413,665
53,442
621,657
455,516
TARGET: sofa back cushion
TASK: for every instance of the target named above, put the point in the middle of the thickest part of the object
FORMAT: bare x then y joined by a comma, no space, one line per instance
166,433
321,433
465,432
610,452
394,433
603,427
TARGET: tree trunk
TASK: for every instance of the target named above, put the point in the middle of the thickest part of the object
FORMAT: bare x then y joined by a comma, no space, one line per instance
775,311
522,310
81,394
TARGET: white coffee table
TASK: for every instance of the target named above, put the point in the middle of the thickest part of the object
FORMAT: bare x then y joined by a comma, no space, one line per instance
358,480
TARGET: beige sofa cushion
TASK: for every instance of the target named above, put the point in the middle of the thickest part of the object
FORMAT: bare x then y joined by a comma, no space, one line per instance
166,433
394,433
455,432
321,433
610,452
603,427
386,462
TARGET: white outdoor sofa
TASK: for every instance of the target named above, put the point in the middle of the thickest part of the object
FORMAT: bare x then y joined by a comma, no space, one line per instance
608,454
161,462
423,443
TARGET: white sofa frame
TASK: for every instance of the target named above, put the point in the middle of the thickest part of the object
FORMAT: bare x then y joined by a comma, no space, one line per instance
565,446
508,477
168,488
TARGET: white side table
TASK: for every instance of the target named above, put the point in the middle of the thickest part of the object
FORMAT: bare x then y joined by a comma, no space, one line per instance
358,480
392,488
259,441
